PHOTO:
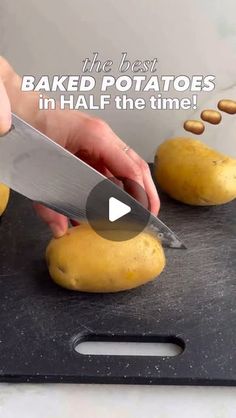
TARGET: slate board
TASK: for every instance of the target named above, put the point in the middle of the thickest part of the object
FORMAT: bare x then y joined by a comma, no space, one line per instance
193,300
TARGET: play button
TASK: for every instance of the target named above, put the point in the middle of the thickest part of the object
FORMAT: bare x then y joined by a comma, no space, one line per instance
117,209
115,214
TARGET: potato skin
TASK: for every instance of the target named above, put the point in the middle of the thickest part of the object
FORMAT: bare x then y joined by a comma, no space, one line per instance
191,172
4,197
82,260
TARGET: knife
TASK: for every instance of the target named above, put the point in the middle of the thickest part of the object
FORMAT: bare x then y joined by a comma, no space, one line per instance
43,171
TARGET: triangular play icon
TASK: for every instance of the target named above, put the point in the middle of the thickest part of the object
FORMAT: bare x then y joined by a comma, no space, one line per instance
117,209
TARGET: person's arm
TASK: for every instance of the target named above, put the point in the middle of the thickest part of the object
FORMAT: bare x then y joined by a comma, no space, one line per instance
24,104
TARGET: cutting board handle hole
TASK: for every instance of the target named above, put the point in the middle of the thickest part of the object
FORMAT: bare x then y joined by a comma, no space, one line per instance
139,346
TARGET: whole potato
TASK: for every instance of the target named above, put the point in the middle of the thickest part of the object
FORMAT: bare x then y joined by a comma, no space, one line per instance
191,172
4,197
83,260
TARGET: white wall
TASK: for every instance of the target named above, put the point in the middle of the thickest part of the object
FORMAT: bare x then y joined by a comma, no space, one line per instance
53,36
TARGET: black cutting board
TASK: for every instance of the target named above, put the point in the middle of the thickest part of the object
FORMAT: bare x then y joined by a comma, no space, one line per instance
193,300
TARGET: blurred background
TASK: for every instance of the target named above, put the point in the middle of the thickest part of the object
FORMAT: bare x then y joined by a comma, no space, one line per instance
188,37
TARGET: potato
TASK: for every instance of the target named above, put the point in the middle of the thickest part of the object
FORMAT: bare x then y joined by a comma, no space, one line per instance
83,260
4,197
191,172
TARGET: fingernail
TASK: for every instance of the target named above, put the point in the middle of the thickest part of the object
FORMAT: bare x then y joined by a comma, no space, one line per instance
56,230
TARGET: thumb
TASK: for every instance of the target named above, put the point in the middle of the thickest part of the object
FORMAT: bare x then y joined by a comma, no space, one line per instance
5,110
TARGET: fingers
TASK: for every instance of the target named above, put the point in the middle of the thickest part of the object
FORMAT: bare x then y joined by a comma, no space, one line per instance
57,223
151,191
149,186
5,110
134,163
101,145
119,163
137,192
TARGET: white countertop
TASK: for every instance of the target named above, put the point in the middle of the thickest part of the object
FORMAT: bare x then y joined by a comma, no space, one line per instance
115,401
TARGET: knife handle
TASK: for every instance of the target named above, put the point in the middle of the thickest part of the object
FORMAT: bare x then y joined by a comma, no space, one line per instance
74,223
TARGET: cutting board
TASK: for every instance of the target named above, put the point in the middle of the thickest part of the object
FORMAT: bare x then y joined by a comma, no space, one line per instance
193,302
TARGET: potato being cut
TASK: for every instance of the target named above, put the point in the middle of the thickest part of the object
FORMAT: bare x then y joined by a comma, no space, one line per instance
191,172
82,260
4,197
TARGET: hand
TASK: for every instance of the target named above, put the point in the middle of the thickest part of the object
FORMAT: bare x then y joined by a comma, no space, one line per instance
89,138
5,110
93,141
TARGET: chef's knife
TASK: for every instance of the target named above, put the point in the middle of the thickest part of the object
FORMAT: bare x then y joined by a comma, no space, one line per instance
40,169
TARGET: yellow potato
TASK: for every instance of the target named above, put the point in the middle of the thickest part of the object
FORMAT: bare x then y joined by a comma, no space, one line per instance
83,260
4,197
193,173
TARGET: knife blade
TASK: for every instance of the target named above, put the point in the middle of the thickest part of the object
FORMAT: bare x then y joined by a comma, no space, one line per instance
40,169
